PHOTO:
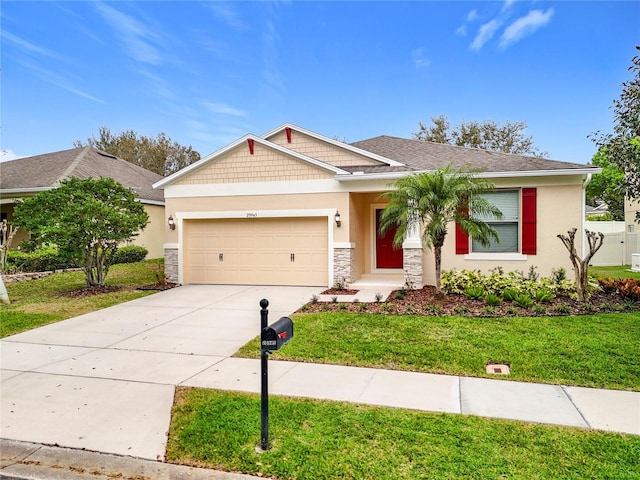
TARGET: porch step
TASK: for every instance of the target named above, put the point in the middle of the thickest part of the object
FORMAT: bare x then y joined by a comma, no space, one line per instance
373,280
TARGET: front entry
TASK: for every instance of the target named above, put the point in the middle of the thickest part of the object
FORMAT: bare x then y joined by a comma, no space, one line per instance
386,255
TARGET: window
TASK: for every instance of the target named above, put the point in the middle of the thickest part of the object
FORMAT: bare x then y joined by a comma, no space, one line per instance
517,229
508,201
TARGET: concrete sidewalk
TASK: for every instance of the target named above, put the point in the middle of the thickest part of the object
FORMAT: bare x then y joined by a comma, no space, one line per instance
105,381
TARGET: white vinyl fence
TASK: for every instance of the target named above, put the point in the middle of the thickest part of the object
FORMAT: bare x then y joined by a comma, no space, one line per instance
617,249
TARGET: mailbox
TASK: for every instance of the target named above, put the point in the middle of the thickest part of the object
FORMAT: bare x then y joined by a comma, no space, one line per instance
277,334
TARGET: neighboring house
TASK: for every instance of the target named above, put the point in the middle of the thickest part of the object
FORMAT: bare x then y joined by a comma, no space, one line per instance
25,177
293,207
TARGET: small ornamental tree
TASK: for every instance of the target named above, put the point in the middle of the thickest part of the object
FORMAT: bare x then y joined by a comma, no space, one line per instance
433,200
86,219
580,265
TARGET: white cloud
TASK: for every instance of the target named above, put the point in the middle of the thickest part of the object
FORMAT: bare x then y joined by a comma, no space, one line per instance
472,15
507,5
419,58
31,48
228,15
525,26
223,109
485,33
137,37
7,155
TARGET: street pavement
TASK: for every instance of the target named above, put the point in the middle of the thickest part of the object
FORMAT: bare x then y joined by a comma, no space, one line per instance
105,381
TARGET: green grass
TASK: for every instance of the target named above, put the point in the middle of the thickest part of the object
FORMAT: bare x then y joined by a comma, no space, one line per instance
39,302
313,439
592,350
612,272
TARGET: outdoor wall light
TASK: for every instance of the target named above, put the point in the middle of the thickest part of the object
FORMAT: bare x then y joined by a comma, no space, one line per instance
337,217
172,223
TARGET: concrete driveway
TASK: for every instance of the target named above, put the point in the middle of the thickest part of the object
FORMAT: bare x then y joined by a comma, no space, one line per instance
105,381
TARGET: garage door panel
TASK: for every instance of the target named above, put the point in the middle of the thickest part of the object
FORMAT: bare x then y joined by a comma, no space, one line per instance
257,251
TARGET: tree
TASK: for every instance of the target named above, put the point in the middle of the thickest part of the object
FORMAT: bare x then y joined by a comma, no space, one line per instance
434,200
581,266
605,187
86,219
623,144
160,155
487,135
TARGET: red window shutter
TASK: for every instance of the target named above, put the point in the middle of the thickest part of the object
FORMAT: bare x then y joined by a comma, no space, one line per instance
462,240
529,221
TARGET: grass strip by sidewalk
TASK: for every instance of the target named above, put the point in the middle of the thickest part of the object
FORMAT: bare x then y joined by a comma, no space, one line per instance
39,302
314,439
592,351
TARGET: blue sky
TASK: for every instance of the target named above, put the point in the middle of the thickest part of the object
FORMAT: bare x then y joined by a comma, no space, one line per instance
206,73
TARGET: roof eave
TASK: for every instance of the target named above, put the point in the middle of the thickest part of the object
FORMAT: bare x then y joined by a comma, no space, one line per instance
358,176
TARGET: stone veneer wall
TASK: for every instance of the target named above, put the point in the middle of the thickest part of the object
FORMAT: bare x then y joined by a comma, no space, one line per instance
343,259
412,258
171,264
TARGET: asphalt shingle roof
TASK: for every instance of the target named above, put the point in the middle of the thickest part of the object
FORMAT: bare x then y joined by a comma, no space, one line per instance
426,156
47,170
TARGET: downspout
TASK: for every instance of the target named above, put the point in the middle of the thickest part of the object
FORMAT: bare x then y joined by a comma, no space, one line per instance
584,213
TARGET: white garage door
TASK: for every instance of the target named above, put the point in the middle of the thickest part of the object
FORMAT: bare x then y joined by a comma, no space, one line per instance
256,251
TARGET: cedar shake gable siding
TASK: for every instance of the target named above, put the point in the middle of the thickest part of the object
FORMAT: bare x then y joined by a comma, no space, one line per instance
323,151
264,165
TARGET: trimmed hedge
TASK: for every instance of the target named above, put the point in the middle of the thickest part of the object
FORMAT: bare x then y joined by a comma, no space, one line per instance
48,258
42,260
129,254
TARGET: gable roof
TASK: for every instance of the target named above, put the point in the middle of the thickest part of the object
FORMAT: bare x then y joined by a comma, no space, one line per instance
219,153
384,160
419,155
44,172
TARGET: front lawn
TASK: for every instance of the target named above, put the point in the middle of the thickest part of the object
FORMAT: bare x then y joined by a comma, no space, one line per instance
57,297
313,439
588,350
623,271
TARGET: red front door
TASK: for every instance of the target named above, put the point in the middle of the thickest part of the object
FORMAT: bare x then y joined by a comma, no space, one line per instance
386,255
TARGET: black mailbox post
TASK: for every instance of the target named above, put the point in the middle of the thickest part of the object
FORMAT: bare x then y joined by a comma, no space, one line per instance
272,337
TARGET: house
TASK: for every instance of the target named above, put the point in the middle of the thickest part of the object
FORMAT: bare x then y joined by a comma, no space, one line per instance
27,176
292,207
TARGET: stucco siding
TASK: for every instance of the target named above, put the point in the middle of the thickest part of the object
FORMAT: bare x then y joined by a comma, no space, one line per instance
559,209
152,237
265,165
325,152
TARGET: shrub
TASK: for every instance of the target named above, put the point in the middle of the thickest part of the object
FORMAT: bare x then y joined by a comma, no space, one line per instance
489,311
43,259
540,310
314,299
628,288
563,308
334,299
362,307
129,254
509,294
342,306
476,292
432,309
523,300
378,297
544,295
492,299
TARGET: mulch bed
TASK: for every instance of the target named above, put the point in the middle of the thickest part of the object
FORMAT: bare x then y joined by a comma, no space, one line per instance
99,290
425,301
339,291
91,291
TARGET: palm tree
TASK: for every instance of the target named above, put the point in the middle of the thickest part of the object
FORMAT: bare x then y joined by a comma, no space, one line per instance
435,199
